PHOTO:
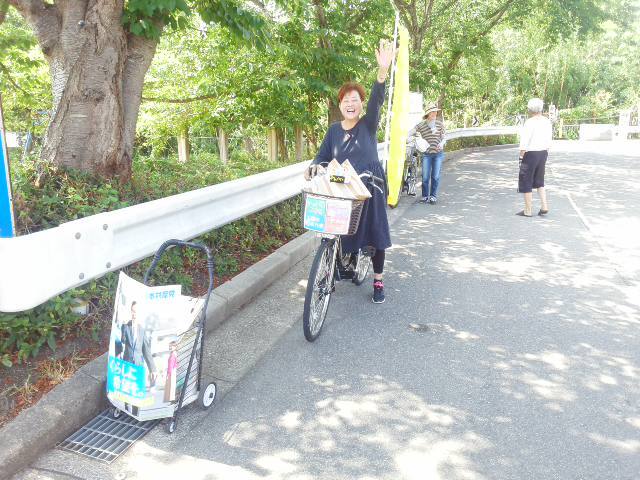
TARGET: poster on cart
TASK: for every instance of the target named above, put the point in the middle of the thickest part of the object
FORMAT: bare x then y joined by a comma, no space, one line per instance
146,347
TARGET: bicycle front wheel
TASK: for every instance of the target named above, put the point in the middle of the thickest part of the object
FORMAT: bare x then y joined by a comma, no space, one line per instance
319,289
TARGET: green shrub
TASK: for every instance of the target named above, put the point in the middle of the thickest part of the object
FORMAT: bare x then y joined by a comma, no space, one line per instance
461,143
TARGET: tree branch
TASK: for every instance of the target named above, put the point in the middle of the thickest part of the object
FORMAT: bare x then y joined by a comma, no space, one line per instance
7,72
355,21
4,6
43,18
495,17
179,100
322,21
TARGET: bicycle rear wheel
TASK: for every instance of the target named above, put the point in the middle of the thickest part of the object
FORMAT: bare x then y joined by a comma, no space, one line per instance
412,180
319,289
363,262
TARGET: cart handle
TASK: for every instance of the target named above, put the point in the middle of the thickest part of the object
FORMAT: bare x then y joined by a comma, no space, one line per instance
181,243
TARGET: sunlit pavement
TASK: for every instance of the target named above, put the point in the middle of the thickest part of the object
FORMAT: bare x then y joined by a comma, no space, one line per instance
508,348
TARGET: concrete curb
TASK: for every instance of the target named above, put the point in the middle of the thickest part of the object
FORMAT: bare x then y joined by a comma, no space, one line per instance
73,403
76,401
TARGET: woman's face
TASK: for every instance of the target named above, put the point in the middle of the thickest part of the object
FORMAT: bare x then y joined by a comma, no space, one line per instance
351,105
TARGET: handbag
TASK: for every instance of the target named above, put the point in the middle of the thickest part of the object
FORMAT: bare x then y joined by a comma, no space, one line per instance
421,144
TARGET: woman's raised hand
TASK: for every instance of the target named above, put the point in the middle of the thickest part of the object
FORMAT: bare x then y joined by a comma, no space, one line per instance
384,55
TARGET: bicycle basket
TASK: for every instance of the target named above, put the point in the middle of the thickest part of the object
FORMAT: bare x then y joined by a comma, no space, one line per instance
331,215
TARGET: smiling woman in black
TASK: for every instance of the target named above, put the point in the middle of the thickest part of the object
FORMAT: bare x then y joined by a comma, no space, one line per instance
355,139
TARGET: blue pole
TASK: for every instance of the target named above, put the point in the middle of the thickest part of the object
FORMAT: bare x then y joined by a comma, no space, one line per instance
7,225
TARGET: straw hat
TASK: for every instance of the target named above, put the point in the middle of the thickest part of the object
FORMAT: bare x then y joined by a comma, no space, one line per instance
431,108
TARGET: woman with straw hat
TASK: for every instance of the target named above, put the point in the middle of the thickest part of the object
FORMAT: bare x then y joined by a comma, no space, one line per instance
432,130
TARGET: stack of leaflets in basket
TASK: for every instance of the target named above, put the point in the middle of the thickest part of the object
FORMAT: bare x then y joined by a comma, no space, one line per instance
340,181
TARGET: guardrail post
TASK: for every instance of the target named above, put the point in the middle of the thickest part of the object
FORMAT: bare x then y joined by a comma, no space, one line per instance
623,125
183,146
223,145
272,141
560,127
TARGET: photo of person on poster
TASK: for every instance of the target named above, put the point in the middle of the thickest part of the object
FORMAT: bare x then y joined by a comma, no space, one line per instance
172,370
136,343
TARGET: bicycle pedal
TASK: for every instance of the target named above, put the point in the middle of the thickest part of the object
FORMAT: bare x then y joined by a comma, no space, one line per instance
344,275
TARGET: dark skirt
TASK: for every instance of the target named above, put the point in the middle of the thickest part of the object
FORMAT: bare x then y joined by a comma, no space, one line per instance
373,230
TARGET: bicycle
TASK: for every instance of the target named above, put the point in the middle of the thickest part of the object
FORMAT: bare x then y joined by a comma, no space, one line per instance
331,264
411,170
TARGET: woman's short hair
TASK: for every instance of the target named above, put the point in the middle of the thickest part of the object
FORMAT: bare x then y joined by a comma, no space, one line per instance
535,105
351,87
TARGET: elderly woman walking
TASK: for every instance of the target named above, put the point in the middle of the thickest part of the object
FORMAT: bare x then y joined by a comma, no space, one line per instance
535,140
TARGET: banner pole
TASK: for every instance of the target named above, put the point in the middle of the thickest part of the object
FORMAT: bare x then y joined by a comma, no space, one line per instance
7,221
387,132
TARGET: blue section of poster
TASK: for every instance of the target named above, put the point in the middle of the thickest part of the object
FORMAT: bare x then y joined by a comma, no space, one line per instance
6,217
315,214
125,379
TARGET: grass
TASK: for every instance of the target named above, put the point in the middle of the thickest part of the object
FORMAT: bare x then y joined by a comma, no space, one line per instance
57,371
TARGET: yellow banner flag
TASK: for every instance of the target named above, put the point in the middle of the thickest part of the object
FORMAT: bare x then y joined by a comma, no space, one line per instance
399,120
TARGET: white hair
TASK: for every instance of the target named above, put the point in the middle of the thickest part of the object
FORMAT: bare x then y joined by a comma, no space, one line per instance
535,105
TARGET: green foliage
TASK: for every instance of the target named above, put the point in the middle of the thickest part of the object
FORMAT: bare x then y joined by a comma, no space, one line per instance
147,18
24,78
285,85
461,143
462,49
24,334
46,195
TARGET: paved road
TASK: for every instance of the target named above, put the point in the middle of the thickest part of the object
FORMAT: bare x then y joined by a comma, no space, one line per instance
527,365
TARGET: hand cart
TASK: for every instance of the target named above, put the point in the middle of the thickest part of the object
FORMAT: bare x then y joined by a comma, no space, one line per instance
185,382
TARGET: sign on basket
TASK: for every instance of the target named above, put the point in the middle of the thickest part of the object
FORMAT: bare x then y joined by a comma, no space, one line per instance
327,215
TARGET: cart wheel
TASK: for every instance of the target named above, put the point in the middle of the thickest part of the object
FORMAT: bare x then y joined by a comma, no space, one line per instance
208,395
170,426
116,412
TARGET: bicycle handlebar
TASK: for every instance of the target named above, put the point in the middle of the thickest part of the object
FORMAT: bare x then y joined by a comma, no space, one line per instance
372,178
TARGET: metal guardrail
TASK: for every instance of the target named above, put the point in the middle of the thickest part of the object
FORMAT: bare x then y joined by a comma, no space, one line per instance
39,266
481,132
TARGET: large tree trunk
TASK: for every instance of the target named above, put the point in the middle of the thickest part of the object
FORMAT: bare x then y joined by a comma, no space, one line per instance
334,114
272,145
283,151
97,73
223,145
183,146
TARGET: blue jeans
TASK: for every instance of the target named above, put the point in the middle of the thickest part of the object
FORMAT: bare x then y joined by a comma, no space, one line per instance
431,165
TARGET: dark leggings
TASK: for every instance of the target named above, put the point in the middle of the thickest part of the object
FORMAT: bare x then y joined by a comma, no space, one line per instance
378,261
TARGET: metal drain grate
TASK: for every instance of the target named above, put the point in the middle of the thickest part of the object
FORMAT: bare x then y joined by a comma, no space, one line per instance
106,438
